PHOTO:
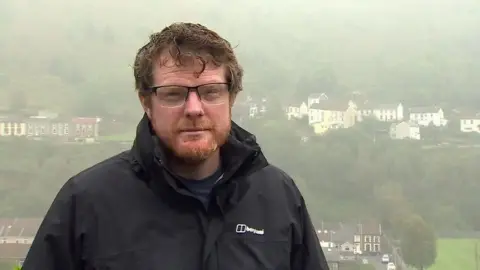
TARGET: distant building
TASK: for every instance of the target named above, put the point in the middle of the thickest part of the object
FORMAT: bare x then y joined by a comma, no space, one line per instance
41,127
381,112
16,237
405,130
425,116
367,237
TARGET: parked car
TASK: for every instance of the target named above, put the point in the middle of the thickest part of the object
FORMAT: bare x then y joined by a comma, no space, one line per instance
391,266
385,258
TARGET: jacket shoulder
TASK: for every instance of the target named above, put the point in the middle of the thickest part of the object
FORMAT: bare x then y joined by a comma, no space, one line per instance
273,179
105,173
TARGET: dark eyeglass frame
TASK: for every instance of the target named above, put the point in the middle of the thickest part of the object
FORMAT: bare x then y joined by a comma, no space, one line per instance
190,89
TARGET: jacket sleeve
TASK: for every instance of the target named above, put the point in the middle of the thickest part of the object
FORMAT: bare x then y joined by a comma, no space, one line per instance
56,246
307,254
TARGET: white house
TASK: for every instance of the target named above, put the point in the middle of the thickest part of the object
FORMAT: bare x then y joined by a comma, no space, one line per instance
316,98
470,124
326,238
297,112
382,112
253,110
405,130
328,112
425,116
12,128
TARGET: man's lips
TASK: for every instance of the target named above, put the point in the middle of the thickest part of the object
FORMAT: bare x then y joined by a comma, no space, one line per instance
193,131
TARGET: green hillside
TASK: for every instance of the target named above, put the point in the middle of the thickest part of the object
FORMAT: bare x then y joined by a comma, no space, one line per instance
455,254
75,56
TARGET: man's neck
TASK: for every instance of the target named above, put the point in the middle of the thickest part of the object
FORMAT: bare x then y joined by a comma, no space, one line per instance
198,171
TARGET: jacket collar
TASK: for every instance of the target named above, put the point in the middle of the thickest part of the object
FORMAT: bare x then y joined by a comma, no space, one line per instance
241,155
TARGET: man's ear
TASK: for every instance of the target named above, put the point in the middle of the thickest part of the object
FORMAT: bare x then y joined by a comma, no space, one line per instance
146,103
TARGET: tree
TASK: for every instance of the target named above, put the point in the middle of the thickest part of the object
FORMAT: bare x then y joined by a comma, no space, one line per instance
317,80
418,243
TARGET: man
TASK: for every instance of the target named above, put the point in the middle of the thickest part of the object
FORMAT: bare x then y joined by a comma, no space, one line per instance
195,191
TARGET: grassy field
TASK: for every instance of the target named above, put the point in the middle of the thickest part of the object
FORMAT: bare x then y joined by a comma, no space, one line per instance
455,254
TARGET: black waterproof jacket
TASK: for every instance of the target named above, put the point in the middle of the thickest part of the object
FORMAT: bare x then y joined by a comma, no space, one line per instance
130,213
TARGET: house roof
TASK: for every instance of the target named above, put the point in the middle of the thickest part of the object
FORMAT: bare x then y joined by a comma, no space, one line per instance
19,227
466,114
13,251
370,105
371,227
85,120
321,96
409,122
327,105
413,123
429,109
36,119
12,118
344,234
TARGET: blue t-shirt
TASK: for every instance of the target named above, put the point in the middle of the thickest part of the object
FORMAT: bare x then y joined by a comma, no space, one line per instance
201,188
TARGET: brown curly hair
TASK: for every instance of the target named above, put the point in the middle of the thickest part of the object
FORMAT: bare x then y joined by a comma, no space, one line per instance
186,40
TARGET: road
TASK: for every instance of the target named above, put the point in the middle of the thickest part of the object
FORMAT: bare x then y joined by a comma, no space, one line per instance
376,261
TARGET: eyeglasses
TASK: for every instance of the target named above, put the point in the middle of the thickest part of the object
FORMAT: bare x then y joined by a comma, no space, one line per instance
175,96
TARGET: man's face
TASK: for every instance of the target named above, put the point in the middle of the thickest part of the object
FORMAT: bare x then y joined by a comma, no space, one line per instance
196,129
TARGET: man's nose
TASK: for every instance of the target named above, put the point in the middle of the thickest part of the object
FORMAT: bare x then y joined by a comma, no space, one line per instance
193,105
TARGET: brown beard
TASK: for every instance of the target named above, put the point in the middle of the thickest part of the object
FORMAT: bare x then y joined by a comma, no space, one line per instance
195,156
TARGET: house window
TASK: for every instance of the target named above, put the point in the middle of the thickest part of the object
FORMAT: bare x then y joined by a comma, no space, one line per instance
42,130
368,247
333,266
90,131
78,130
60,129
6,129
84,130
18,128
54,129
356,238
368,238
66,129
376,239
30,129
376,247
